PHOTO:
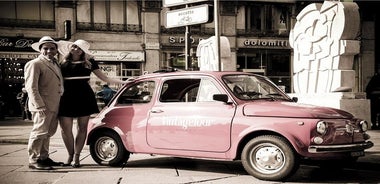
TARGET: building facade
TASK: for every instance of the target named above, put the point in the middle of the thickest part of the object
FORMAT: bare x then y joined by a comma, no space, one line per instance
128,38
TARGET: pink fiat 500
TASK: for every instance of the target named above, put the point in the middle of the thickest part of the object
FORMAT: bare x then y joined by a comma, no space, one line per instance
226,116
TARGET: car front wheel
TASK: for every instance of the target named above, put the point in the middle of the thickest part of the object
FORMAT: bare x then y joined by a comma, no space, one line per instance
269,157
107,149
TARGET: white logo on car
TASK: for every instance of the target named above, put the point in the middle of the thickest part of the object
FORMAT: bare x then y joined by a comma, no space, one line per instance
185,122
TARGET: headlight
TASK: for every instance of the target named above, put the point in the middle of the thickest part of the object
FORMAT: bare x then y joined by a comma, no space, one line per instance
321,127
364,125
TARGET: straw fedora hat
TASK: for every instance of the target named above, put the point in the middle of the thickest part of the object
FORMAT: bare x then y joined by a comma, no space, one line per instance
46,39
66,46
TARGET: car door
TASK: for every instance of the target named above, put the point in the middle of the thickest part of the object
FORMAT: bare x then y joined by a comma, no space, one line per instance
130,112
186,118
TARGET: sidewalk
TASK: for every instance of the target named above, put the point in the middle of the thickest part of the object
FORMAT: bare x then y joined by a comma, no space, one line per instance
15,130
144,168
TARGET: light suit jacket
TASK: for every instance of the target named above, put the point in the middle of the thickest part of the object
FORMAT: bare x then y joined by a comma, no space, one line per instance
44,84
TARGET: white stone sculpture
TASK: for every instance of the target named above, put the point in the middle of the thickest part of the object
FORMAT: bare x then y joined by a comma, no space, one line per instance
324,43
207,50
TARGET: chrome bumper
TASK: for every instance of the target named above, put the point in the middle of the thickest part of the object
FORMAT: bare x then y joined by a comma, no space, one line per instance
340,148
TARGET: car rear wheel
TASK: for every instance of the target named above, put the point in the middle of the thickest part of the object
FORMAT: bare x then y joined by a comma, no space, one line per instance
269,157
108,149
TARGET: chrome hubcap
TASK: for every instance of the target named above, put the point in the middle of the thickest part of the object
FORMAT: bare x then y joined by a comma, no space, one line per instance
106,148
267,158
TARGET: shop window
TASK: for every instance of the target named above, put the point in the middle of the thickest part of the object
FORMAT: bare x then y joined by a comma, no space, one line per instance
12,70
177,60
267,18
130,69
30,14
116,16
11,82
273,64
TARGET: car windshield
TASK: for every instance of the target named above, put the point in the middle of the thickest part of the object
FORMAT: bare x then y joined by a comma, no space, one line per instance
251,87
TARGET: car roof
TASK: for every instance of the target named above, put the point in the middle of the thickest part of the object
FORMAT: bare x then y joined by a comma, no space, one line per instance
216,74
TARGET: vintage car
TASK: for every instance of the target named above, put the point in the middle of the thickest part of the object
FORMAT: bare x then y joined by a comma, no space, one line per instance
225,116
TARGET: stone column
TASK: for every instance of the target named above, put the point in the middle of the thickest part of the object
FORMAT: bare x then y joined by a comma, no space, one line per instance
228,18
151,31
64,11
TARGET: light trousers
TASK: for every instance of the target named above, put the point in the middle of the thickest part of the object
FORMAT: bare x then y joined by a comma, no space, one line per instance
44,127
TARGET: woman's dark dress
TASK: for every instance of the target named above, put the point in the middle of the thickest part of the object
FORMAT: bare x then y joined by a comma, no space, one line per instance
78,98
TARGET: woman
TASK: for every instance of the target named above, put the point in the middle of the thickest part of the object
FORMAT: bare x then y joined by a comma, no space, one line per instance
78,100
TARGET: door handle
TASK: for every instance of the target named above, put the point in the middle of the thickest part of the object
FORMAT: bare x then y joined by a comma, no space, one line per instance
156,111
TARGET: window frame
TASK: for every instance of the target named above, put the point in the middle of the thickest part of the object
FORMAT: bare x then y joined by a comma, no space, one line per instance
105,22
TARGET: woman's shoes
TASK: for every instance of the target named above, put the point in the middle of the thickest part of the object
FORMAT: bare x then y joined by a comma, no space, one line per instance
66,164
76,161
76,165
69,160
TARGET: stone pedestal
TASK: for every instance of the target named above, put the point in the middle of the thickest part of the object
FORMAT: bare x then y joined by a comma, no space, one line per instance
355,103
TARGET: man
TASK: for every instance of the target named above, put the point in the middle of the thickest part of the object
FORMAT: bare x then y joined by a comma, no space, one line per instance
44,84
106,93
22,97
373,93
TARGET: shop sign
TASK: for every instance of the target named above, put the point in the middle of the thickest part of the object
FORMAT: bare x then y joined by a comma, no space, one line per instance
263,43
109,70
16,44
188,16
181,39
131,56
18,55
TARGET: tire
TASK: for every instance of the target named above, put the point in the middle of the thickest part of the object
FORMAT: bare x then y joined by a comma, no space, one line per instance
108,149
269,157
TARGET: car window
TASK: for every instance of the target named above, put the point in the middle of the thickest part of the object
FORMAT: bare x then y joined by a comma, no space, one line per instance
206,90
188,90
249,87
138,93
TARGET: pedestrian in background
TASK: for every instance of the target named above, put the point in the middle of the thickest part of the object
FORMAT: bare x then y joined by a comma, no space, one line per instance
373,93
79,100
106,93
44,85
22,97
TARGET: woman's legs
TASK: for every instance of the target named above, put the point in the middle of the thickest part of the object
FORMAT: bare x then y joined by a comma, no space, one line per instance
66,124
80,138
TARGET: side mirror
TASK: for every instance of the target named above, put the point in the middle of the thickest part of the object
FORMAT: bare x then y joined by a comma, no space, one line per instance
295,99
220,97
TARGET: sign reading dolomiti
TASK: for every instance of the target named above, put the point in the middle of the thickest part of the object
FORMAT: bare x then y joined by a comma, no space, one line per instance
187,16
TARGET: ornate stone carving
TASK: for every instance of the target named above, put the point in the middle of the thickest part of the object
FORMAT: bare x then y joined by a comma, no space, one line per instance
324,40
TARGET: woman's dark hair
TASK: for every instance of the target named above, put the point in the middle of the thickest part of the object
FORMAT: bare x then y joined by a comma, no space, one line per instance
69,57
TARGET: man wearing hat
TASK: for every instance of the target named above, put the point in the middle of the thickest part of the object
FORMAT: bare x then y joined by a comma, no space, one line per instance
44,85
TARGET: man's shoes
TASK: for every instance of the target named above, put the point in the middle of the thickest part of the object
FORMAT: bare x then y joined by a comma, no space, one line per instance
39,166
50,162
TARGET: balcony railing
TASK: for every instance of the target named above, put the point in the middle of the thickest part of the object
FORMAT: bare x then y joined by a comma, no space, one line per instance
88,26
24,23
259,33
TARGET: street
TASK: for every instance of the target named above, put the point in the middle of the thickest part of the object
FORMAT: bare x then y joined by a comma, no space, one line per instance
144,168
